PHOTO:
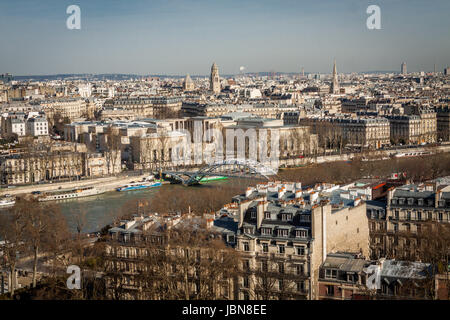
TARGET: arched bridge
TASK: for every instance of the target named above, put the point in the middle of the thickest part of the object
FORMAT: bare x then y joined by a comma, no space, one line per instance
241,168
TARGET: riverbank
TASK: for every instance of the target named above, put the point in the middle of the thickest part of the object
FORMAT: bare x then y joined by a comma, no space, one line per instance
103,184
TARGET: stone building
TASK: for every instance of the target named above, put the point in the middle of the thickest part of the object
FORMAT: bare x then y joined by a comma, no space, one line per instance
411,210
368,132
145,259
56,162
188,84
71,108
345,276
284,234
443,123
214,79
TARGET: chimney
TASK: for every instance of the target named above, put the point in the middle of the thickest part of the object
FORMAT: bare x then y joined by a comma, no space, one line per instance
260,213
314,196
437,198
390,194
298,194
281,192
248,192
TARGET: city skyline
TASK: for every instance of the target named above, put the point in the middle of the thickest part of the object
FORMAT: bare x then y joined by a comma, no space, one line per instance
263,36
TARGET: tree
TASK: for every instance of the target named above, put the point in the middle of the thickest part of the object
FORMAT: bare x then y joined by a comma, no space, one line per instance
12,231
113,147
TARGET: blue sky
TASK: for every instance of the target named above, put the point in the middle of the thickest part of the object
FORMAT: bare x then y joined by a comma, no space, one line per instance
186,36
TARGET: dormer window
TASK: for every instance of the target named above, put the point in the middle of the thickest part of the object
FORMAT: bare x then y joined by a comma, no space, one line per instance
266,231
248,230
283,232
267,215
394,201
420,202
253,214
410,201
330,274
301,233
401,201
304,218
286,217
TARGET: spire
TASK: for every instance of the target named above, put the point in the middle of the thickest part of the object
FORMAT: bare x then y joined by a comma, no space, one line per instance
334,88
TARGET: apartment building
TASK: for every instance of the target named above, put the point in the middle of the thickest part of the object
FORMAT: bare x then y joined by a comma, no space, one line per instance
153,256
71,108
346,276
284,234
443,123
410,210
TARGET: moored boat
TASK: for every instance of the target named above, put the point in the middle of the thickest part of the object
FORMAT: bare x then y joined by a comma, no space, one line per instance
139,186
70,194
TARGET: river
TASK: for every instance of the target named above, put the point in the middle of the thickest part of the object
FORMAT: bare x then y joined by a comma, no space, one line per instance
100,210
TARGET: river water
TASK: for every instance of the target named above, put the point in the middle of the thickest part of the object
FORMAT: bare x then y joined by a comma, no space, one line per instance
100,210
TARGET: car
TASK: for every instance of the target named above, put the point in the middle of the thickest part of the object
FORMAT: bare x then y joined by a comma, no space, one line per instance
36,192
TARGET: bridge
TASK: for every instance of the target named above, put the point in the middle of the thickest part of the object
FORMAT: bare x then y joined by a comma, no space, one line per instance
239,168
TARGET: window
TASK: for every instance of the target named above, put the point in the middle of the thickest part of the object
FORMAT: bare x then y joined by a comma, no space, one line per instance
265,247
245,295
300,250
280,285
395,226
246,246
245,282
281,248
264,266
253,214
440,216
408,216
283,232
396,214
300,286
267,215
301,233
419,215
285,217
419,228
245,265
330,290
330,274
266,231
299,269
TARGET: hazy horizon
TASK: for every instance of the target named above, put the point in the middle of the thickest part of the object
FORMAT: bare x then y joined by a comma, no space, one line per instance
177,37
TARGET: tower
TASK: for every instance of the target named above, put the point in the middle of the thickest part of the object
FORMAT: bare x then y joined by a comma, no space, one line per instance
188,84
335,83
403,68
214,80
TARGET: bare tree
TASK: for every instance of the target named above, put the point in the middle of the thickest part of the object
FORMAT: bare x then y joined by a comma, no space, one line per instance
12,232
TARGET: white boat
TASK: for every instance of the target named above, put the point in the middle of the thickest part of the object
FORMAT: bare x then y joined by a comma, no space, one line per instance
7,202
139,185
70,194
